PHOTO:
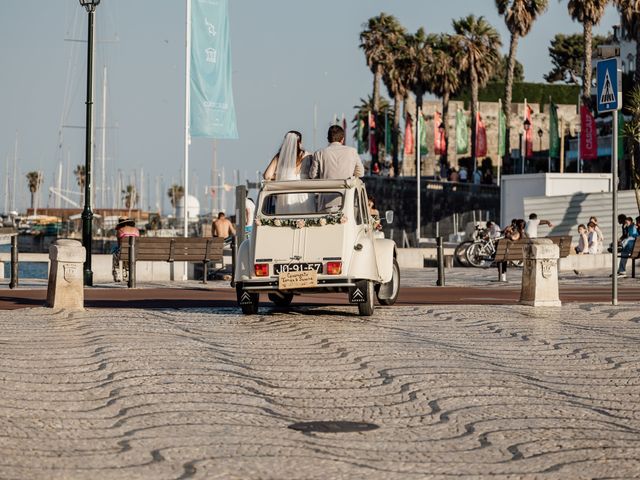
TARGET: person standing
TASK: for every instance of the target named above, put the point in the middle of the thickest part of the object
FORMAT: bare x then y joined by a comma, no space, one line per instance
222,227
336,161
125,228
531,227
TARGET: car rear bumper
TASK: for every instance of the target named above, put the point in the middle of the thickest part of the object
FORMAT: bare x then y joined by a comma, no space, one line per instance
323,285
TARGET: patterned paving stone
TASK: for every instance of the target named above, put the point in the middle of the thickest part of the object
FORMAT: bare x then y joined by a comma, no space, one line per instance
457,392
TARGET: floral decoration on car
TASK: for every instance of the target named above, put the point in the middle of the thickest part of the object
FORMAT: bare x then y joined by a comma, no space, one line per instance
334,219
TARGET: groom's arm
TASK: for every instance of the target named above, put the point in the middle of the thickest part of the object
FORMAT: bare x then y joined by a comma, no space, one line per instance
359,168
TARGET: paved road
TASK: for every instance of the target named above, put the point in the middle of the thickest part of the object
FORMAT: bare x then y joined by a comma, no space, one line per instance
485,392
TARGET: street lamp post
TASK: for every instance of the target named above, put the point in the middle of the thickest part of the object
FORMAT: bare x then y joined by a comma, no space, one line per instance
527,126
87,214
540,133
444,146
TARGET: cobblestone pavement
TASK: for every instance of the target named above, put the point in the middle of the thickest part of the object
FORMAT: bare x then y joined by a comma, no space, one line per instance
493,392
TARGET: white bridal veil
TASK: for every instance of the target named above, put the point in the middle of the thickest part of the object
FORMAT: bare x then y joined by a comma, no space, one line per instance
287,158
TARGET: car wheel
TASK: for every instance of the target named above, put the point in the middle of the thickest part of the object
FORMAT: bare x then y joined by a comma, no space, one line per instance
281,299
365,309
393,285
247,301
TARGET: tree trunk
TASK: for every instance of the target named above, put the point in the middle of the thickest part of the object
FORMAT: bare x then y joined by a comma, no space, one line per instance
395,137
376,110
508,94
33,196
474,114
445,122
586,68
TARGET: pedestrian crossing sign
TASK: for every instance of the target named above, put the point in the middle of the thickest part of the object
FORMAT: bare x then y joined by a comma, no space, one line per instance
609,85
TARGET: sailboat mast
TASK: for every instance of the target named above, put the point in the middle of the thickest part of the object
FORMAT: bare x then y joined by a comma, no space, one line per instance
15,174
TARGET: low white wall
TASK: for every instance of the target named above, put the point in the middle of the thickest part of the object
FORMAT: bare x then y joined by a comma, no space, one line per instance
585,262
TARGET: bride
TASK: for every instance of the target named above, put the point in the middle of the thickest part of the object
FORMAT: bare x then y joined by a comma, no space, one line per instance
292,162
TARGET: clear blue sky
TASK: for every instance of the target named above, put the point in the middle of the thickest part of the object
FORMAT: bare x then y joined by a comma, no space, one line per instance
288,56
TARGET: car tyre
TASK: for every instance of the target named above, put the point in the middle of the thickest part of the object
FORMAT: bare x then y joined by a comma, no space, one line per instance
281,299
248,308
395,287
366,309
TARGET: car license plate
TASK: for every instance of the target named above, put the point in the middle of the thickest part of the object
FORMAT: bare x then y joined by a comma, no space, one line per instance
279,268
296,280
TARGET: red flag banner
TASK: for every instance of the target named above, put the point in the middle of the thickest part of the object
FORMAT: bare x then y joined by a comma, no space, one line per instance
373,147
529,133
409,141
481,138
438,135
588,135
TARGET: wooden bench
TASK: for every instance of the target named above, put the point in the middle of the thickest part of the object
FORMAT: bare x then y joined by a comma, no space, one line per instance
170,249
512,250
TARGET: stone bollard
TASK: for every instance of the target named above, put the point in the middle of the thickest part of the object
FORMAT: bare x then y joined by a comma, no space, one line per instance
540,274
66,289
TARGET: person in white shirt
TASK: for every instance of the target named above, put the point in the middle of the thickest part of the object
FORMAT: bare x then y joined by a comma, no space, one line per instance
594,242
583,240
531,228
494,230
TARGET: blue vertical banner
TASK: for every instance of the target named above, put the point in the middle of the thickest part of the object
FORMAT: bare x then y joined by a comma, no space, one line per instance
213,114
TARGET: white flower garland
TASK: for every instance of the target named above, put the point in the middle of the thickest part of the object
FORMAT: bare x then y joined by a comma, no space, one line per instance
332,219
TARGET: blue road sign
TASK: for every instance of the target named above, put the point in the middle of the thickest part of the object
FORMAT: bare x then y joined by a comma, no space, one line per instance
609,88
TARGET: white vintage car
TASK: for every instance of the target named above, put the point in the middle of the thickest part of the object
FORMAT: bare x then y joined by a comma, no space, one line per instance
315,236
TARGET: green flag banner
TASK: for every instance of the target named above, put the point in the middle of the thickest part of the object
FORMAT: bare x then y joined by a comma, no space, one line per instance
360,136
620,136
554,138
462,133
387,134
423,136
502,133
213,114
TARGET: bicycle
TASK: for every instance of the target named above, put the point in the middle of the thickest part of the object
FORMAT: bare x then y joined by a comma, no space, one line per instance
482,251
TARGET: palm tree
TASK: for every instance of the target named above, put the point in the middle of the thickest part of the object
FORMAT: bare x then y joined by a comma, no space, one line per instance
395,79
130,197
589,13
630,13
519,16
175,193
479,45
80,178
34,180
445,80
377,34
418,60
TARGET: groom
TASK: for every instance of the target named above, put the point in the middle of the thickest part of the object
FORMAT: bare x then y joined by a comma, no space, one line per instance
336,161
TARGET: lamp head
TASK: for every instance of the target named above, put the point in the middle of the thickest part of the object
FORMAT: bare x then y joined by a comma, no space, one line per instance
527,125
90,5
540,132
441,127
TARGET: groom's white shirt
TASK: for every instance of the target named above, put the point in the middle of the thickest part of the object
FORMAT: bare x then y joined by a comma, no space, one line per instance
336,161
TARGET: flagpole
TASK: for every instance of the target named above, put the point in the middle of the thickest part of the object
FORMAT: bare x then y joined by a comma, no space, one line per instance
418,158
187,113
500,140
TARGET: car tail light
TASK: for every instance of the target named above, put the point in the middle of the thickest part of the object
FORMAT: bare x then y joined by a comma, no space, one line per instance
262,269
334,268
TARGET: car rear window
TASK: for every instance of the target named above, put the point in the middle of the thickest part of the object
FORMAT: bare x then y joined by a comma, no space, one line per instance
306,203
